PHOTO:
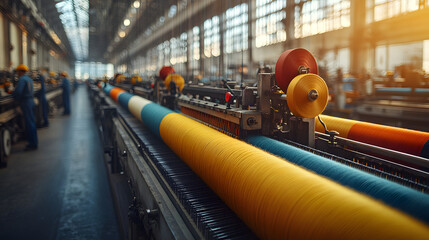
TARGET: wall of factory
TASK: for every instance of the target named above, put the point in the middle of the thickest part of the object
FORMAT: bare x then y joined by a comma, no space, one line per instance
426,55
341,34
2,43
15,43
389,56
33,56
25,48
18,46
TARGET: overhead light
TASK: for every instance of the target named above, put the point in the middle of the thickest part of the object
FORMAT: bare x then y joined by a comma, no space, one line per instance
122,34
136,4
127,22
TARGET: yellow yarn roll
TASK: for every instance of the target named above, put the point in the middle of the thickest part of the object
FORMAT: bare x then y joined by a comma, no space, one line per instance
338,124
279,200
298,98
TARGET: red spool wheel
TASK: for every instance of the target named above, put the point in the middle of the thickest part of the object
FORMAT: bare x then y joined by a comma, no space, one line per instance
289,64
165,71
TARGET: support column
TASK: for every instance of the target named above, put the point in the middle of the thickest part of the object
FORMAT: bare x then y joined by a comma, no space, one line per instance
3,42
188,53
386,67
221,41
7,44
358,38
289,23
250,10
202,56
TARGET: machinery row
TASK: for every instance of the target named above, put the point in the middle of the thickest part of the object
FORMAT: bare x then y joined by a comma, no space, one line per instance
259,161
11,117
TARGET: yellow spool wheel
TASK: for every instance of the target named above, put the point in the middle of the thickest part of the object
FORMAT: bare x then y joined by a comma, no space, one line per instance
307,95
176,78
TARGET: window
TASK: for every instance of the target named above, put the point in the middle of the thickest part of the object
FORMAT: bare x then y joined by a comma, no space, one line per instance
195,48
86,70
236,29
382,9
211,37
161,54
269,26
179,49
321,16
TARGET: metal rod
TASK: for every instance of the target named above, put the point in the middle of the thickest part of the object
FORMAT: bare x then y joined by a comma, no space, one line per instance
416,160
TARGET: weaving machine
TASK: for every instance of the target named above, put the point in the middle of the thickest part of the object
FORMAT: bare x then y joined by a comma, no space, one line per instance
406,107
189,180
11,122
286,106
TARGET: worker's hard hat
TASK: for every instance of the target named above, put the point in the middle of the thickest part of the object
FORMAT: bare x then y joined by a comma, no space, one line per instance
22,67
64,74
52,74
135,79
120,78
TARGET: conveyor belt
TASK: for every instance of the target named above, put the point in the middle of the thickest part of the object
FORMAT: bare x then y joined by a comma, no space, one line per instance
213,218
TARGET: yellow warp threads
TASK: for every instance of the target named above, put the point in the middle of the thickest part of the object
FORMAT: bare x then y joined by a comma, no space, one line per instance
279,200
335,124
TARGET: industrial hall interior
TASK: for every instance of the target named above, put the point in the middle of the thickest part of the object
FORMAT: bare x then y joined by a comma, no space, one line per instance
214,119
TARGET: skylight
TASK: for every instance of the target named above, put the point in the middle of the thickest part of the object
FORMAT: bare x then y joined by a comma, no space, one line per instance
74,16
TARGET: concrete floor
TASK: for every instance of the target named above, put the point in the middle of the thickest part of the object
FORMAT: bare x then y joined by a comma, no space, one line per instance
61,190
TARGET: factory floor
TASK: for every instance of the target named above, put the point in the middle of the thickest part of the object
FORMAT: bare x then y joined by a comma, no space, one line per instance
59,191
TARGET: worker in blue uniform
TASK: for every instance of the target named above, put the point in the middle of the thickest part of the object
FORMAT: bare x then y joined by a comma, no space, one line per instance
42,97
66,93
24,95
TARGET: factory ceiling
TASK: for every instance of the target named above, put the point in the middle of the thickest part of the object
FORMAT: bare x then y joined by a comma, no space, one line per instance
105,17
148,13
88,27
74,17
50,13
85,27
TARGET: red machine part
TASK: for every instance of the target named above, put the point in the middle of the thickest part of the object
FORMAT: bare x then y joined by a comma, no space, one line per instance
289,64
228,96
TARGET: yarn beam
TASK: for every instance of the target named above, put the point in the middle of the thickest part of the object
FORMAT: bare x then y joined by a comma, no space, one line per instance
399,139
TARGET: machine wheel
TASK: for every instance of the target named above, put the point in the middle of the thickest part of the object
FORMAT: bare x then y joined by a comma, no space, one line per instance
52,108
6,146
6,141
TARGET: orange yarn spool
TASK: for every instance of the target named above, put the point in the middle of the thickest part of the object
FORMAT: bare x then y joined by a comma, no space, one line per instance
399,139
115,93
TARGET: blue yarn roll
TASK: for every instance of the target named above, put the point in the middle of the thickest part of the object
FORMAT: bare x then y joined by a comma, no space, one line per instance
406,199
108,88
393,90
421,90
124,98
152,115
